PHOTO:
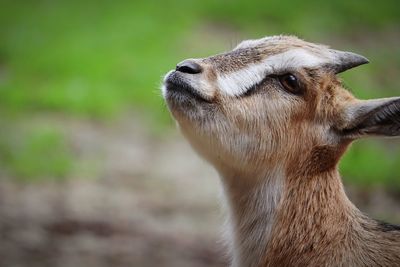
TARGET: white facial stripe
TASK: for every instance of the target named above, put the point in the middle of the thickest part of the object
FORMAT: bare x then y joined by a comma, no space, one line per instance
238,82
295,58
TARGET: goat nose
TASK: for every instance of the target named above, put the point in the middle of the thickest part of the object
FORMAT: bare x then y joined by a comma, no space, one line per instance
188,66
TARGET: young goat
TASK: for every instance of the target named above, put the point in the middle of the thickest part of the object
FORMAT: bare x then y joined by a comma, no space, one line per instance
274,119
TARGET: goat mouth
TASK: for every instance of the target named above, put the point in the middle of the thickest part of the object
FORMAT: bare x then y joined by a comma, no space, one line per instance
177,87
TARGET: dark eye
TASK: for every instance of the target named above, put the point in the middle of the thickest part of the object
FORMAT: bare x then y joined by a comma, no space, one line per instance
290,83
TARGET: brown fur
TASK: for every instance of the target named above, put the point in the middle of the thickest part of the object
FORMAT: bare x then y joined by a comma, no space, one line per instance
281,150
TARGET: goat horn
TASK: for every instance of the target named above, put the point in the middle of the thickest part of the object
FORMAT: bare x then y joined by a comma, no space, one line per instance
346,60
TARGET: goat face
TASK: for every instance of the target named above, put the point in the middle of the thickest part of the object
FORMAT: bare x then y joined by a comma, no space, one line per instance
275,99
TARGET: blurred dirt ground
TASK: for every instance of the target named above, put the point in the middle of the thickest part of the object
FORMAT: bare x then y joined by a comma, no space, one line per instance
153,203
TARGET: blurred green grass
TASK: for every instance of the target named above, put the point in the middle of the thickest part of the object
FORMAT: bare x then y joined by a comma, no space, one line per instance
41,154
99,59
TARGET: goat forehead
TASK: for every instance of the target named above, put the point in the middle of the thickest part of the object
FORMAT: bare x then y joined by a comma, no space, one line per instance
236,59
254,51
272,40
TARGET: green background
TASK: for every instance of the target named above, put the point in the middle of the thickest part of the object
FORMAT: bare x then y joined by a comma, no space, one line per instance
99,60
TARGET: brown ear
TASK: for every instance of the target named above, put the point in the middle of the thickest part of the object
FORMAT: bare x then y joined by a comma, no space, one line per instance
379,117
343,61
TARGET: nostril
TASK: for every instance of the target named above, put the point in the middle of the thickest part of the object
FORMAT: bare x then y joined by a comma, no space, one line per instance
189,66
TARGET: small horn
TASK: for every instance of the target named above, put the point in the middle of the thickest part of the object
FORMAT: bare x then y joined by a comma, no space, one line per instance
343,61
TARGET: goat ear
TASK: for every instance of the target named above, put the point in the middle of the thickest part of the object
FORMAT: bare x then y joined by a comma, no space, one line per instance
379,117
342,61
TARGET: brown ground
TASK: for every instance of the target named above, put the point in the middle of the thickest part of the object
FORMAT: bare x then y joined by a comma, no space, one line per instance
153,203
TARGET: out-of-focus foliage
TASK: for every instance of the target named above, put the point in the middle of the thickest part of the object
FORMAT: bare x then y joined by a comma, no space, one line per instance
98,59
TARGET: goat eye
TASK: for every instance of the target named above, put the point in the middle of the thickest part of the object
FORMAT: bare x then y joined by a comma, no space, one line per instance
290,83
